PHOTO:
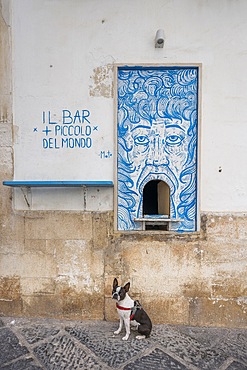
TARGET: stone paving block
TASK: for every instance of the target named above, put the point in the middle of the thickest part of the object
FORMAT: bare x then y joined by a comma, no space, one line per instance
204,335
234,344
22,364
61,353
106,346
157,360
10,348
38,332
235,365
90,345
188,349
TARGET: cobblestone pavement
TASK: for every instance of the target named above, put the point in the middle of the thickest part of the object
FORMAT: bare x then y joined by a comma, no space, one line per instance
32,344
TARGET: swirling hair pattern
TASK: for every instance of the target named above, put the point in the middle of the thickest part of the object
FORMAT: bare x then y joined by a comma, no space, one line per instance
157,140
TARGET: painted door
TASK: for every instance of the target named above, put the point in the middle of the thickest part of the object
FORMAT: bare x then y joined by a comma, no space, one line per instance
157,139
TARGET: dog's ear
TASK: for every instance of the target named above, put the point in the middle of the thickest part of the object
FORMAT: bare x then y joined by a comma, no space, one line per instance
127,287
115,283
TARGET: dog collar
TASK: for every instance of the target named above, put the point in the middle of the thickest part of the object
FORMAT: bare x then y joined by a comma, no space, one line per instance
122,308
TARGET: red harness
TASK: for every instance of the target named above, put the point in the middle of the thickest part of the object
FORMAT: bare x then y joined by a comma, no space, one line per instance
125,309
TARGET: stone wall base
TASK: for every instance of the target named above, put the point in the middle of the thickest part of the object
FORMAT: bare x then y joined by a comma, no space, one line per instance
62,264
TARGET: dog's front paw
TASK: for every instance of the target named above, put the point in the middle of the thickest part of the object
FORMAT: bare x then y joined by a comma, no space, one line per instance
117,332
126,337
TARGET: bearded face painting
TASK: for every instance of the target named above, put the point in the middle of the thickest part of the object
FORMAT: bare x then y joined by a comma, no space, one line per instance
157,141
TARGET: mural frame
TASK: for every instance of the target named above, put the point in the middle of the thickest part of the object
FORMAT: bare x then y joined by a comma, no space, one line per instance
137,66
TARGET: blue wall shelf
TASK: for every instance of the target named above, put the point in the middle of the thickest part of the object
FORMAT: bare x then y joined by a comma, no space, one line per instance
57,184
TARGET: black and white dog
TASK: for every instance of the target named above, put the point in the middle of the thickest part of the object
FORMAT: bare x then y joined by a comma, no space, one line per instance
130,312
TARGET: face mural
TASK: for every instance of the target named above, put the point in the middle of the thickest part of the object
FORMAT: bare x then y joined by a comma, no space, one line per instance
157,140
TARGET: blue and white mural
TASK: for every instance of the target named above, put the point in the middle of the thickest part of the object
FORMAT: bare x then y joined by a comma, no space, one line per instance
157,140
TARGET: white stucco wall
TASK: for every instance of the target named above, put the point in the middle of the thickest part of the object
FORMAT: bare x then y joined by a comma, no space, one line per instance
58,45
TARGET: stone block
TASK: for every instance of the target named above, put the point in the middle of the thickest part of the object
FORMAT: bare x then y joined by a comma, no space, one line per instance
101,230
218,312
27,265
38,266
72,306
140,257
178,312
5,134
225,252
6,102
109,284
163,264
5,200
97,268
37,286
196,289
52,245
224,226
113,260
85,306
74,258
166,310
229,288
42,306
68,284
79,263
110,310
185,260
10,296
12,233
9,287
242,229
35,246
42,246
6,167
11,307
10,264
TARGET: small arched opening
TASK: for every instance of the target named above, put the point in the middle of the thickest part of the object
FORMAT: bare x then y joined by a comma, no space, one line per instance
156,201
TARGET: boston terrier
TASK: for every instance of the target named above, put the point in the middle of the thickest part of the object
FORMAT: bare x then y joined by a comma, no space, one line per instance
130,312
